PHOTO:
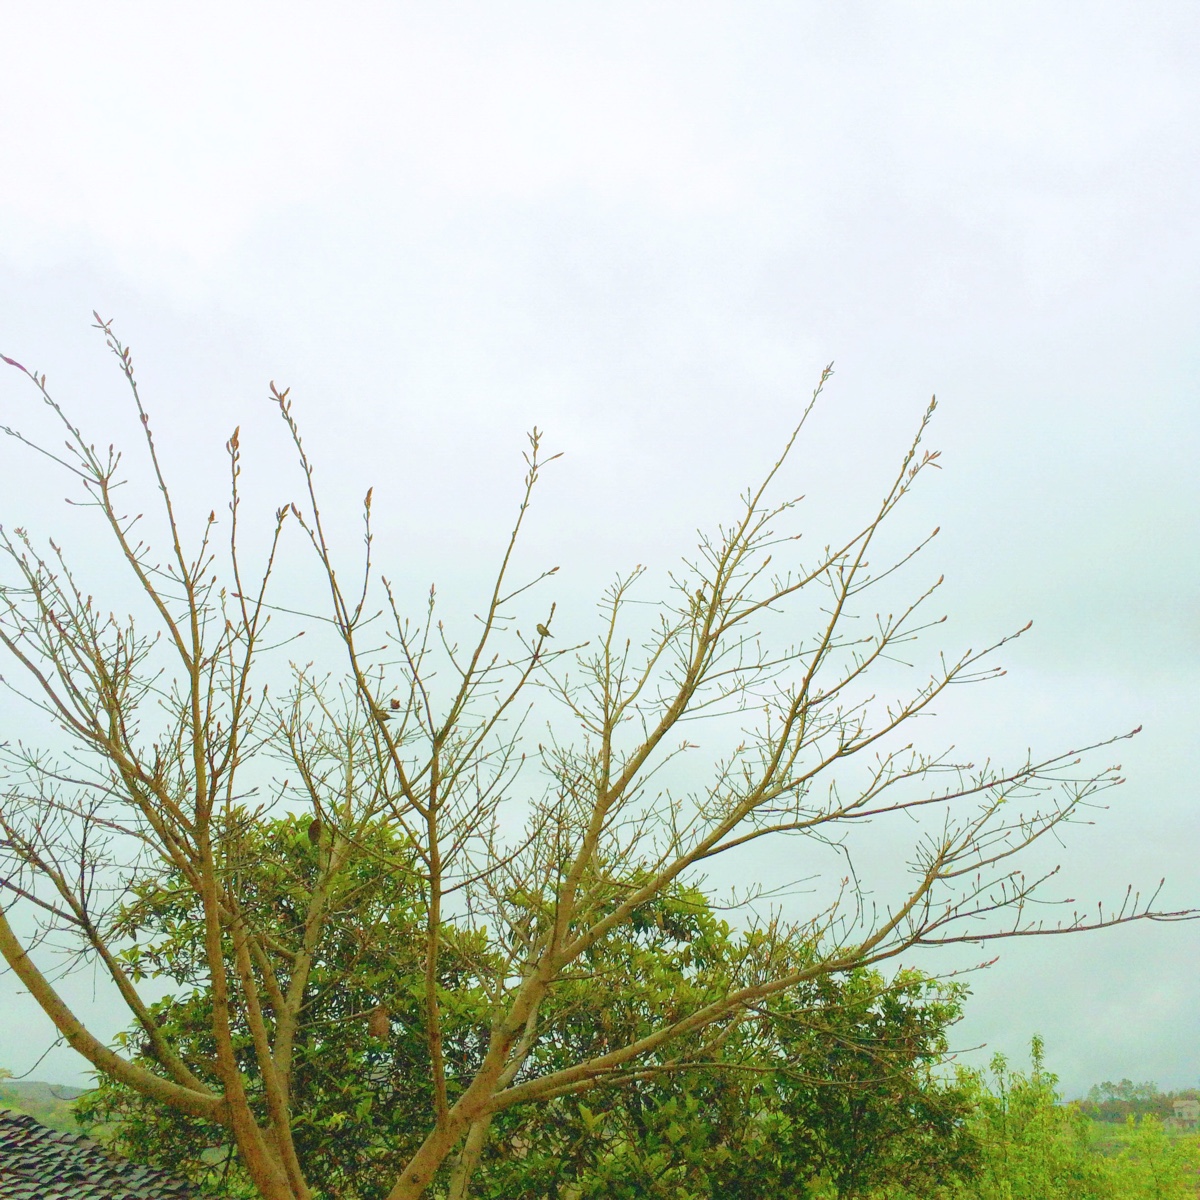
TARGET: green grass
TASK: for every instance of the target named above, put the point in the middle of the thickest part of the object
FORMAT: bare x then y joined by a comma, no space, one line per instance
53,1106
1111,1137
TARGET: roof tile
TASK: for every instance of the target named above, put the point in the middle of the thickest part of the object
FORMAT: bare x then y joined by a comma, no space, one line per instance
37,1163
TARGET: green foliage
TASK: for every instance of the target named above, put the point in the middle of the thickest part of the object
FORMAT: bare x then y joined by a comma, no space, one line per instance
1117,1102
1125,1091
833,1091
359,1102
834,1081
1153,1165
830,1088
1034,1147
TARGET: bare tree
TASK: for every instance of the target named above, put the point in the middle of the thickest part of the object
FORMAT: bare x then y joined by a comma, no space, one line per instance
170,729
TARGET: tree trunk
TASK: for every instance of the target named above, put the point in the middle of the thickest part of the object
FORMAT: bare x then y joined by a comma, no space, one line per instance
468,1160
424,1164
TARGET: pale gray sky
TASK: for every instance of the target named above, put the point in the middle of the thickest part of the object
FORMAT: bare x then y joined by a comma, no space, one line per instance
646,227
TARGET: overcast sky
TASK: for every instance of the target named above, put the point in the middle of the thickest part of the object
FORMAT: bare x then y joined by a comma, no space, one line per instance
646,228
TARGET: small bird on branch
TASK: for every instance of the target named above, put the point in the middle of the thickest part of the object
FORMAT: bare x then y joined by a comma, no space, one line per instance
314,830
543,631
379,1024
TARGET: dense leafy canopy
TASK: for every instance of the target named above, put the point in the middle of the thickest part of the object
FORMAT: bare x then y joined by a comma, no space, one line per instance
836,1080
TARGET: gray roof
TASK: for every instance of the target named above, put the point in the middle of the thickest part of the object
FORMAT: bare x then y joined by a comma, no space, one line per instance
38,1163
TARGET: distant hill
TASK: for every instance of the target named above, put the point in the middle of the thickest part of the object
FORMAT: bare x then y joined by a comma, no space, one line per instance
1115,1102
49,1103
